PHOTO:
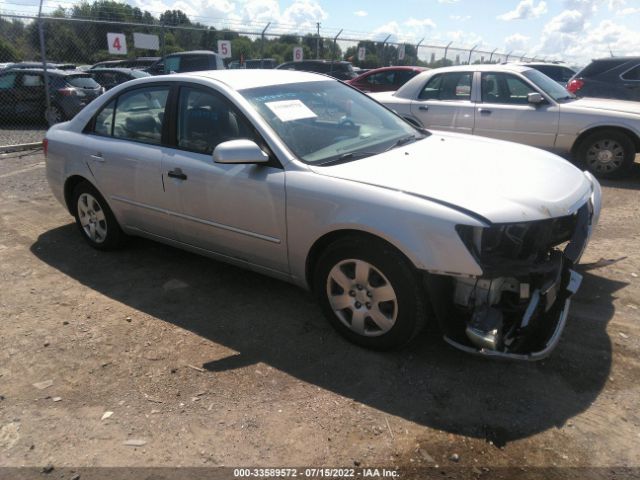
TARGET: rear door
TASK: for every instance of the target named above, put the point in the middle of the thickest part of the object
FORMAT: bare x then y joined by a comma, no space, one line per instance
31,96
505,112
124,149
444,103
237,211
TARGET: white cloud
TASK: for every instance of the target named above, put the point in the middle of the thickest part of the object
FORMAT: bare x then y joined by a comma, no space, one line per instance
448,1
460,18
303,14
409,31
628,11
360,13
526,9
516,42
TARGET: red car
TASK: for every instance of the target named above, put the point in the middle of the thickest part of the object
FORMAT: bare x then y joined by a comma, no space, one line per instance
385,79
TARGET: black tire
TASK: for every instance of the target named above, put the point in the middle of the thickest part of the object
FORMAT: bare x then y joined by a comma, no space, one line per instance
107,234
619,146
408,309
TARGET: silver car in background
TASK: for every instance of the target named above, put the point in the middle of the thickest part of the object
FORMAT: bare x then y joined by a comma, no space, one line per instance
300,177
520,104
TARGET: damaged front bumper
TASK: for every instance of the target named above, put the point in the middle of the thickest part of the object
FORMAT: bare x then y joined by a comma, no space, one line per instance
518,308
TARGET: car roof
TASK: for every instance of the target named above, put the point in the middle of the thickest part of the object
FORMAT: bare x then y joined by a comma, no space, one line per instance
613,59
112,69
193,52
241,79
50,71
492,67
397,67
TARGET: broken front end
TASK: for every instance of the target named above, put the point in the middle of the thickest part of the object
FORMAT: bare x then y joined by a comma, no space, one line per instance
518,307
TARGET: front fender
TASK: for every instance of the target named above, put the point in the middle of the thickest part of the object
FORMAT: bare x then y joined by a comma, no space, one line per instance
422,230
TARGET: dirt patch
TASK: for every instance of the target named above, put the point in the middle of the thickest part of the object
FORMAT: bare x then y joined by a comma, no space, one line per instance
204,364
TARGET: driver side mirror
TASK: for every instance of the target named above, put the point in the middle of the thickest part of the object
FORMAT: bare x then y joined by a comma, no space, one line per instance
535,98
240,151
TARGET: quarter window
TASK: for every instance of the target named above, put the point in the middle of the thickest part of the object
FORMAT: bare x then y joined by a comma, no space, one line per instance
633,74
32,81
504,88
139,114
448,86
205,119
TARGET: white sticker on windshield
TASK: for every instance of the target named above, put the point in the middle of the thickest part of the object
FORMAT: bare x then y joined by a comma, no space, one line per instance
288,110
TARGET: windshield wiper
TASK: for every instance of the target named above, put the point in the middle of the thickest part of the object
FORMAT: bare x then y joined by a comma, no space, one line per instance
345,157
401,141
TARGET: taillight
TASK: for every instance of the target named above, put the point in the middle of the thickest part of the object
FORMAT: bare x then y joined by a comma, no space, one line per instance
67,91
575,85
45,146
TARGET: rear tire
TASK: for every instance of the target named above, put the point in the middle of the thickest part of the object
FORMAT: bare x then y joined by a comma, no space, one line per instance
94,218
606,153
370,293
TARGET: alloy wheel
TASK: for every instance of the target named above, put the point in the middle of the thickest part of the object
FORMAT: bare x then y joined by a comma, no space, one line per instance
92,218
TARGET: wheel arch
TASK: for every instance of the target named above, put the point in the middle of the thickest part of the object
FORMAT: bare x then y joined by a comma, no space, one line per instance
69,186
329,238
633,136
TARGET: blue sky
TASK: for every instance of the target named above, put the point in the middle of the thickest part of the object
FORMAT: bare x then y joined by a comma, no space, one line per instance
574,30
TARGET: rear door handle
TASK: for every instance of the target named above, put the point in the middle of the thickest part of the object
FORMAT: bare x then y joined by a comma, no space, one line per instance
424,108
486,111
177,173
98,156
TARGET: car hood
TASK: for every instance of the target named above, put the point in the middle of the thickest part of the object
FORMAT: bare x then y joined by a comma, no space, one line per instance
606,104
500,181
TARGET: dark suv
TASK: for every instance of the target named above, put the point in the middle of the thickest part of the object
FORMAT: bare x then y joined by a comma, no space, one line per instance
22,94
614,77
339,70
560,73
193,61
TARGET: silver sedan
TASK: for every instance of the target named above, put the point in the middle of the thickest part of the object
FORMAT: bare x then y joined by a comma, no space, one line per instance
300,177
521,104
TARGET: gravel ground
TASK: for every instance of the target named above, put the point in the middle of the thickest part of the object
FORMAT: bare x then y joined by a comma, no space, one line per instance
19,134
204,364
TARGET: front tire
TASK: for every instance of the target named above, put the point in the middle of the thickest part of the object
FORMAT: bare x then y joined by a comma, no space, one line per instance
607,153
370,293
94,218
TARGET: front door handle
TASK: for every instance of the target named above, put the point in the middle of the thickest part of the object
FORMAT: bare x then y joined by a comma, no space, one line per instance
486,111
98,156
424,108
177,173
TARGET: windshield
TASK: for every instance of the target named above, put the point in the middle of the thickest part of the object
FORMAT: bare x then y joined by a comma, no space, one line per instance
139,74
327,122
549,86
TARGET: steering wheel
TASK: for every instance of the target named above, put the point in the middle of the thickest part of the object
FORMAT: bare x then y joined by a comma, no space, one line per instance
346,122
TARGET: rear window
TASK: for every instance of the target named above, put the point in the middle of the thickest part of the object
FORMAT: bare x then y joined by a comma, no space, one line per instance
82,81
600,66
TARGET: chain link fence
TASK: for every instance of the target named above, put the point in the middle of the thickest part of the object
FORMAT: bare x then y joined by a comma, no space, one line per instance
73,40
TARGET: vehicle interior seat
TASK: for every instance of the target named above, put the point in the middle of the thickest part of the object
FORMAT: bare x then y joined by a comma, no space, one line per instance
489,90
142,127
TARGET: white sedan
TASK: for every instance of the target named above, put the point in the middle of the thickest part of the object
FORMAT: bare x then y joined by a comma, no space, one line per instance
300,177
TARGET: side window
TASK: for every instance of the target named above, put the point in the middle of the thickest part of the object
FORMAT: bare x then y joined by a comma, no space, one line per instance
139,114
448,86
382,78
172,64
206,119
104,120
431,90
193,63
504,88
633,74
32,80
7,81
404,76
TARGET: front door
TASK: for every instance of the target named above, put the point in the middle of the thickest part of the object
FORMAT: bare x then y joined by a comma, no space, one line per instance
237,211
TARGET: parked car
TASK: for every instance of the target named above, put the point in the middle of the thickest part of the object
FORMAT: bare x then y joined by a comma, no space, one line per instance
197,60
560,73
22,94
305,179
385,79
521,104
340,70
137,63
612,77
254,63
110,77
50,65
